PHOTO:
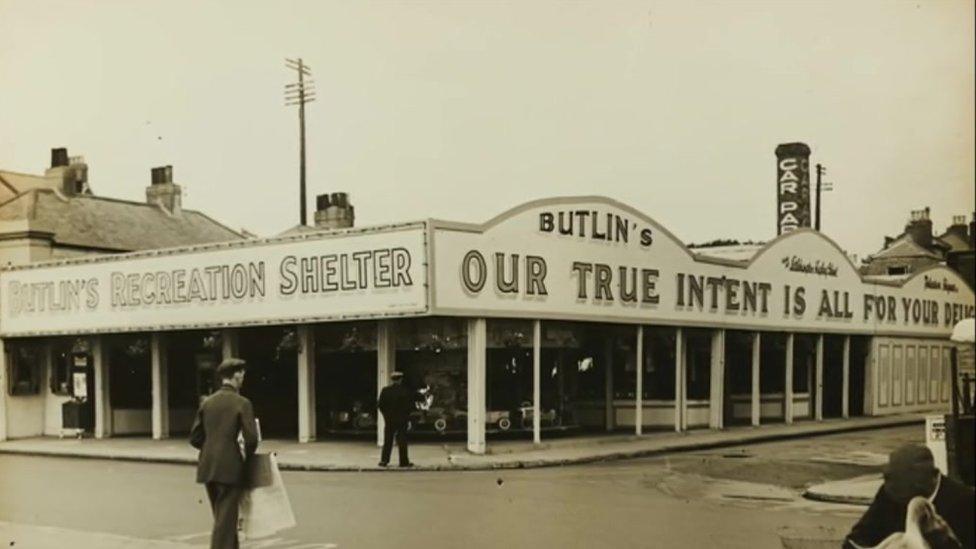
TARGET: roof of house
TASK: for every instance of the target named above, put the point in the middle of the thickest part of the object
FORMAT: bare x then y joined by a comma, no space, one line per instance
734,252
904,247
109,224
956,242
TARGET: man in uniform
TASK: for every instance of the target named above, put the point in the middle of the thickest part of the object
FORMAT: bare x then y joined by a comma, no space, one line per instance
222,417
911,472
396,402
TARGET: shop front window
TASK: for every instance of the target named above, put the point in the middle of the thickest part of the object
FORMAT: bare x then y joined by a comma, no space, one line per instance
699,363
509,376
432,354
26,362
192,359
772,363
62,357
345,377
272,377
129,363
804,355
659,362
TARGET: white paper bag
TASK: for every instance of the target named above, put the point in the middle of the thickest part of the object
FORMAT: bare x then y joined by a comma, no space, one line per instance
266,510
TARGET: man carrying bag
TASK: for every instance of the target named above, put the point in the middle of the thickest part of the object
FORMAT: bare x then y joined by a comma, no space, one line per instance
223,417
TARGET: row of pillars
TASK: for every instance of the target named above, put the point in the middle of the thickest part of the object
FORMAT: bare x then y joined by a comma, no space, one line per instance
476,372
477,337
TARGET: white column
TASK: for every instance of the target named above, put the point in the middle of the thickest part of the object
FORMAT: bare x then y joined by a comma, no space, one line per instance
160,385
477,350
818,380
845,405
639,396
788,386
103,404
537,381
385,365
716,407
608,420
230,346
306,383
679,380
3,392
756,354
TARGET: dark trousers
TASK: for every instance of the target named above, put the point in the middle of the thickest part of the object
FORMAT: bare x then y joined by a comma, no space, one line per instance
399,431
225,501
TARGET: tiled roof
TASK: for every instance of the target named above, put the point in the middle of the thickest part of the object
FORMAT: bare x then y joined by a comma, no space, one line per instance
113,225
955,242
902,247
734,252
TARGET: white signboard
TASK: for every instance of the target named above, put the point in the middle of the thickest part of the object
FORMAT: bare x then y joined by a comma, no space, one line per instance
595,259
293,279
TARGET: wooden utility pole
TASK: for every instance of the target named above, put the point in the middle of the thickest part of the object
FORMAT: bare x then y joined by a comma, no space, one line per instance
822,187
299,93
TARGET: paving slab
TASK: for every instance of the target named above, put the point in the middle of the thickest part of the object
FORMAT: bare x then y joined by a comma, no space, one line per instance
856,491
363,455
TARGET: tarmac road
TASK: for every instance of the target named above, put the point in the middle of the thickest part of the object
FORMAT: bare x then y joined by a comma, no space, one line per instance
733,497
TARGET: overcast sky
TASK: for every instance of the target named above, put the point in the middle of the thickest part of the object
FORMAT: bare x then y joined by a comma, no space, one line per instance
461,110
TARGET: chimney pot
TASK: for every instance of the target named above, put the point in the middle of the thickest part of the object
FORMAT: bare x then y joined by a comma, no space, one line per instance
59,157
321,202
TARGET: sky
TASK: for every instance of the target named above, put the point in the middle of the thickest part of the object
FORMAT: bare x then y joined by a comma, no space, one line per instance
462,110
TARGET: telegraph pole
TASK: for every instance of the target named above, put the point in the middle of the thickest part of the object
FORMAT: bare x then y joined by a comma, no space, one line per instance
822,186
299,93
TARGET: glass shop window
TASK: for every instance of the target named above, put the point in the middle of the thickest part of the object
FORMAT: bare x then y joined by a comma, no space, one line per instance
129,365
25,360
61,360
804,355
345,377
509,375
659,359
432,353
699,363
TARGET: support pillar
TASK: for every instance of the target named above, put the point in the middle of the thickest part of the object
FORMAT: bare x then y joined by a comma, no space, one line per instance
756,357
818,383
160,386
716,407
103,404
477,355
608,384
680,387
306,383
230,344
3,391
639,394
537,381
385,365
788,386
845,404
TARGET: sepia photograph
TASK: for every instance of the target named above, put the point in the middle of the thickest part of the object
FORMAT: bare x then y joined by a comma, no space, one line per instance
478,274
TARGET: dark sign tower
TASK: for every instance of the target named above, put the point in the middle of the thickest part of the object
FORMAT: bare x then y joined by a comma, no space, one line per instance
792,187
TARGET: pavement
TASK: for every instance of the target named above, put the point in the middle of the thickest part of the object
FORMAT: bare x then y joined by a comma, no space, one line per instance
854,491
452,455
51,537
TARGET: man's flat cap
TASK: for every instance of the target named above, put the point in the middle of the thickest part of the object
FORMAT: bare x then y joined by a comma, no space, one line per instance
230,366
911,461
396,375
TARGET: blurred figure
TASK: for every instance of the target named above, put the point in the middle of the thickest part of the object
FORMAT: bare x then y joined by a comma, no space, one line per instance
396,402
223,417
916,497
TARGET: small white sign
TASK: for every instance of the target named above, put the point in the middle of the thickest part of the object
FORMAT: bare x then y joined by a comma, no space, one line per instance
935,439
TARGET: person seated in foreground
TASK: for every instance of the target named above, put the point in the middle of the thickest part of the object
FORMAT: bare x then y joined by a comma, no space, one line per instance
943,517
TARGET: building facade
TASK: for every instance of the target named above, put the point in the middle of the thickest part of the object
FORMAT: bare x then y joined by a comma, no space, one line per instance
918,247
568,314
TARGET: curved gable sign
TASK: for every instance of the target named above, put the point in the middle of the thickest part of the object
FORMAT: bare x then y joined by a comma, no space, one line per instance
591,258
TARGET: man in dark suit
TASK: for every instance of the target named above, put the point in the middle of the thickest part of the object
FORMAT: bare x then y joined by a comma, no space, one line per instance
222,417
396,402
911,472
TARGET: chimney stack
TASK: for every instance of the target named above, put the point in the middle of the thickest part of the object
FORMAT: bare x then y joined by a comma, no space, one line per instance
163,192
792,187
334,211
59,157
69,173
959,227
920,228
